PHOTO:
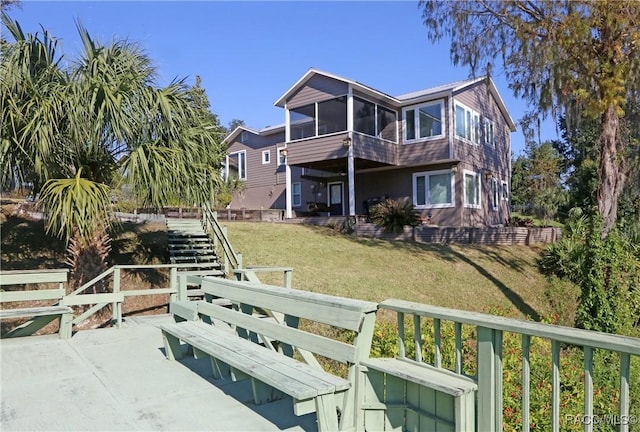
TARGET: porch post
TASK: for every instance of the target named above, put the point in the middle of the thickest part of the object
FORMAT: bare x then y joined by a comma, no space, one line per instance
287,168
350,165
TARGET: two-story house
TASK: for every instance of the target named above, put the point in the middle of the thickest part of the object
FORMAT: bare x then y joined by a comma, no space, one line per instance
345,145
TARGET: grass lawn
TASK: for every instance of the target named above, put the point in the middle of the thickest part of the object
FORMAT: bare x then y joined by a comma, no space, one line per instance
471,277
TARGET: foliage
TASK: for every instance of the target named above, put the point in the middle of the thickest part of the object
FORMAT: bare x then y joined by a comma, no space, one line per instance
606,270
536,180
97,125
394,215
561,57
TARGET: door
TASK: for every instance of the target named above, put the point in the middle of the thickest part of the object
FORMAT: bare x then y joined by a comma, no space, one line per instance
335,199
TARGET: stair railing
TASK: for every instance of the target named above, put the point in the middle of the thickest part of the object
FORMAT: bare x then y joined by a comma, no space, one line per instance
232,260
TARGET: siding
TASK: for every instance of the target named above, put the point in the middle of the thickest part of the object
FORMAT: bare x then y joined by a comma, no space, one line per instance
316,89
370,148
317,149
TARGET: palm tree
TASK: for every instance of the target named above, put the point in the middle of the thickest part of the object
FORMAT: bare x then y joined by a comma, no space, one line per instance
97,125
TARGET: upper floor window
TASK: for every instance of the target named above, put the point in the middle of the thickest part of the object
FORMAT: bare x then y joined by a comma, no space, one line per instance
489,133
244,137
472,189
266,157
433,189
236,166
282,156
467,124
319,118
373,119
423,121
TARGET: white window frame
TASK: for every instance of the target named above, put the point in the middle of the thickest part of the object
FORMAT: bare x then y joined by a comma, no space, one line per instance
495,194
282,160
242,167
505,190
428,174
416,123
296,198
478,184
474,127
489,132
266,157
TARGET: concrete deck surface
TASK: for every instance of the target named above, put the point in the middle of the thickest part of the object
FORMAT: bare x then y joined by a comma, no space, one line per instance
119,380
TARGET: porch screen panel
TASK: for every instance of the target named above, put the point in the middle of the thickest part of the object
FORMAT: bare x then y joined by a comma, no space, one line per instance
386,124
332,116
364,116
440,189
303,122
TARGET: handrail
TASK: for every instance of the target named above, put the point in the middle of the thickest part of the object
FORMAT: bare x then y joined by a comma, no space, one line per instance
489,375
211,225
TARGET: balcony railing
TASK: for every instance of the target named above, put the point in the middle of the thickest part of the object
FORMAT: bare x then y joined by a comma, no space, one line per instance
487,332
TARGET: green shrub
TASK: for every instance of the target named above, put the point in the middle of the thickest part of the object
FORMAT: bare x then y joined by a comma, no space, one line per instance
394,215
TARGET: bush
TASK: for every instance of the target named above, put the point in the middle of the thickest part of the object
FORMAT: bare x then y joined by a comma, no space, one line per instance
394,215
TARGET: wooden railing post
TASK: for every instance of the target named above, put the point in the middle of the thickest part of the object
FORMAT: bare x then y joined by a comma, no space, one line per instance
489,380
117,306
173,283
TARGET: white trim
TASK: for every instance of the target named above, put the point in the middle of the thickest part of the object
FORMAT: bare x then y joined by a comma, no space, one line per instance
341,194
478,185
475,132
293,201
278,153
266,160
416,109
240,171
495,194
428,174
505,187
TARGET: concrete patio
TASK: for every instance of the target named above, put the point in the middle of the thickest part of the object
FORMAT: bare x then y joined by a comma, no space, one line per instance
117,380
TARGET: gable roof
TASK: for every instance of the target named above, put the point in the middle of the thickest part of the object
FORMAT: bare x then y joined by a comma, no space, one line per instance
404,99
264,131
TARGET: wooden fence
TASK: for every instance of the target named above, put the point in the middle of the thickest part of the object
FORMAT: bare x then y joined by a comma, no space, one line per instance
468,235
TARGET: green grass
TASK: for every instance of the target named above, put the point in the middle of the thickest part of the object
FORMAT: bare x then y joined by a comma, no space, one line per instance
470,277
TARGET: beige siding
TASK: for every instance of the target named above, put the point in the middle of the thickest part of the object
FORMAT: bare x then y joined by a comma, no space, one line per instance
318,88
370,148
317,149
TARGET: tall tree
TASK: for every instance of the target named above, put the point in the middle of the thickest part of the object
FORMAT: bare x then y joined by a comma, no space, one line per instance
560,56
100,125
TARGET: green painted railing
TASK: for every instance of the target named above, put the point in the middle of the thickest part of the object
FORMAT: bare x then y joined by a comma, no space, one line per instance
489,331
231,260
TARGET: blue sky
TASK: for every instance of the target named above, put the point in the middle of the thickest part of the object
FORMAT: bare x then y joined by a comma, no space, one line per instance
249,53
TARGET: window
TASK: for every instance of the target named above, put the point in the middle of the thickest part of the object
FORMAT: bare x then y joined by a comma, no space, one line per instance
424,121
374,120
505,191
237,165
244,137
282,156
495,193
489,133
296,194
433,189
467,124
266,157
471,189
319,118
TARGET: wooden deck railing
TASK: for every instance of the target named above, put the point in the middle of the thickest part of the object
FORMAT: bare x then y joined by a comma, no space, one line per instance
231,259
489,331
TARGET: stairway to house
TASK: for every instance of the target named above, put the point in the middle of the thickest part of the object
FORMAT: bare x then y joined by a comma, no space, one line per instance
189,244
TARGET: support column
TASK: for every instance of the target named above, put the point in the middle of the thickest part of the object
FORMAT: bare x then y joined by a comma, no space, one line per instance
352,184
287,137
289,212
